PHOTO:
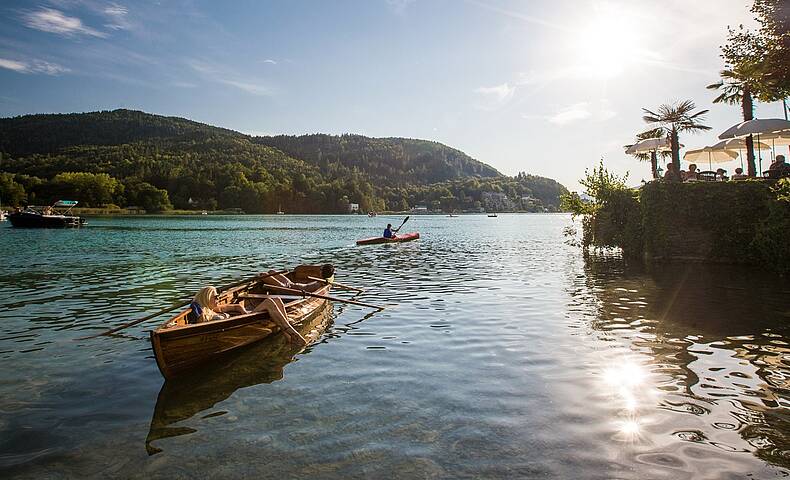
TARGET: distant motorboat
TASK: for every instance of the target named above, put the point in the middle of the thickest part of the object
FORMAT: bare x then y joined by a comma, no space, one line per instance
372,214
55,216
492,215
280,210
204,212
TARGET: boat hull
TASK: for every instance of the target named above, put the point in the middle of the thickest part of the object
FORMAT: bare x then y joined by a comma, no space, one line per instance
406,237
181,348
34,220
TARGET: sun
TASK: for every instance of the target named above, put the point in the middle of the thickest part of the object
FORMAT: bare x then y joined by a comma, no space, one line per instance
607,43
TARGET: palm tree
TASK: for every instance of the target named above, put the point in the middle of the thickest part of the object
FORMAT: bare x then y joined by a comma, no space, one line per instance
737,86
654,133
673,119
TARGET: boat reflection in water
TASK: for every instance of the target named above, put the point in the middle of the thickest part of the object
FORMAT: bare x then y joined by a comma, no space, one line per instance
261,362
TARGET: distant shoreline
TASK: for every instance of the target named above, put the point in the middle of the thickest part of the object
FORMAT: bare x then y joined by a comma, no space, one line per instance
103,212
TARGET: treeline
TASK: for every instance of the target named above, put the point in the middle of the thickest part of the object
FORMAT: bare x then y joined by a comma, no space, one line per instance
160,162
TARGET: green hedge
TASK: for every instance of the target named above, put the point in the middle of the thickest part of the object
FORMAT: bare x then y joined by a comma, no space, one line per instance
732,222
713,221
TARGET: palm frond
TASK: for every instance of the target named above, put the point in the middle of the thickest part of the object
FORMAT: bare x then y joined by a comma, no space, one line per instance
715,86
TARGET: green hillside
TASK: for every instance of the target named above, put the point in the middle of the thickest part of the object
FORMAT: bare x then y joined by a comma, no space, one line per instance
125,158
401,161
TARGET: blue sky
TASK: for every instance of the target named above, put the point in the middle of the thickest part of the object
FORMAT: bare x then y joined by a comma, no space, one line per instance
546,87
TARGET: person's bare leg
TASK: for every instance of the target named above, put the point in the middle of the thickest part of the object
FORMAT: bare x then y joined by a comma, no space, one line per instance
277,313
279,280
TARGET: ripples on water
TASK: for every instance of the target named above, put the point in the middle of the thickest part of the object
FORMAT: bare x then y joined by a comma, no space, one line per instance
503,353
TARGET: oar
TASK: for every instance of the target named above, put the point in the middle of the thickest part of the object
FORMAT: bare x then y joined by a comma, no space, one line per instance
311,294
338,285
178,305
404,222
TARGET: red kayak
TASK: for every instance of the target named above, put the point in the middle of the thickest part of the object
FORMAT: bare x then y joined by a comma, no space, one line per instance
406,237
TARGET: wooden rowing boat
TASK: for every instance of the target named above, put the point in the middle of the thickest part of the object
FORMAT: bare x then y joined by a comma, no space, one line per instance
179,345
195,392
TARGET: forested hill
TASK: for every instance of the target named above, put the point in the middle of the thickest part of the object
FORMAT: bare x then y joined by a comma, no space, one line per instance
125,157
51,133
386,160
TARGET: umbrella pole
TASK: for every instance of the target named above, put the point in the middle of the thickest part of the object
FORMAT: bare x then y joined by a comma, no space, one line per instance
740,154
710,163
760,155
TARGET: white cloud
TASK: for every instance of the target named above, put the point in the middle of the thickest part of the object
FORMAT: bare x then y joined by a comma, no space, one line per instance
499,93
34,66
55,21
269,60
117,15
13,65
571,114
252,88
227,77
596,112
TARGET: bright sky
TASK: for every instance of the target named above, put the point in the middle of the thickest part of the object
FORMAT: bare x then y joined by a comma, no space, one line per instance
546,87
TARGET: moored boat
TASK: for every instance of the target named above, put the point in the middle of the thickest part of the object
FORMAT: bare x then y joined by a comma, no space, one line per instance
180,345
405,237
56,216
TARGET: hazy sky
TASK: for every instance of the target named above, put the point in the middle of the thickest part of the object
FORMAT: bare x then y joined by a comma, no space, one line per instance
546,87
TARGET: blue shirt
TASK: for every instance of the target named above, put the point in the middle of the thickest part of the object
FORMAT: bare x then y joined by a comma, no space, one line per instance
388,233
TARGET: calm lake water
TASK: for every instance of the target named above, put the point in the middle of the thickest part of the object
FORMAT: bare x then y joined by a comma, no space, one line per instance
504,353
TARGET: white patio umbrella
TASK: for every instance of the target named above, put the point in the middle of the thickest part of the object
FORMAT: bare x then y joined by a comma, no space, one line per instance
650,145
712,155
740,144
757,127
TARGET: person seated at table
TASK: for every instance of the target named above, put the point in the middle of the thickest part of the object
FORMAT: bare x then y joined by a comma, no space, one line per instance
779,163
721,175
670,174
778,168
739,175
692,175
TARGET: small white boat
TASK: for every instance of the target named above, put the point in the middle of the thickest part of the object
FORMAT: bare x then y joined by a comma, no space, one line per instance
3,217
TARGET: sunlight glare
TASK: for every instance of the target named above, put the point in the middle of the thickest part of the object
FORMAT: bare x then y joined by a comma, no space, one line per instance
607,43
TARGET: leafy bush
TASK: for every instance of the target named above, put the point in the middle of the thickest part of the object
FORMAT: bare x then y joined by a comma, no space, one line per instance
612,216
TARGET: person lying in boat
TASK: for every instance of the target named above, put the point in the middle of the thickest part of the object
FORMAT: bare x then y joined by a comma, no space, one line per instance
206,309
280,280
390,232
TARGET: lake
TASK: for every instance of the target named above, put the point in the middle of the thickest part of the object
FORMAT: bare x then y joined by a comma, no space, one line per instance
503,353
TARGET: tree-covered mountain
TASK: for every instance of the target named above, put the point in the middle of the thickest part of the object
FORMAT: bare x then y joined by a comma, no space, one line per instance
391,161
51,133
125,157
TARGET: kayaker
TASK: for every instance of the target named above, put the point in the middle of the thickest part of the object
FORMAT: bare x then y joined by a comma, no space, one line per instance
390,232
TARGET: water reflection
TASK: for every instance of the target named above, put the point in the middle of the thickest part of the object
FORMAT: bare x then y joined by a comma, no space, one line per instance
707,346
263,362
